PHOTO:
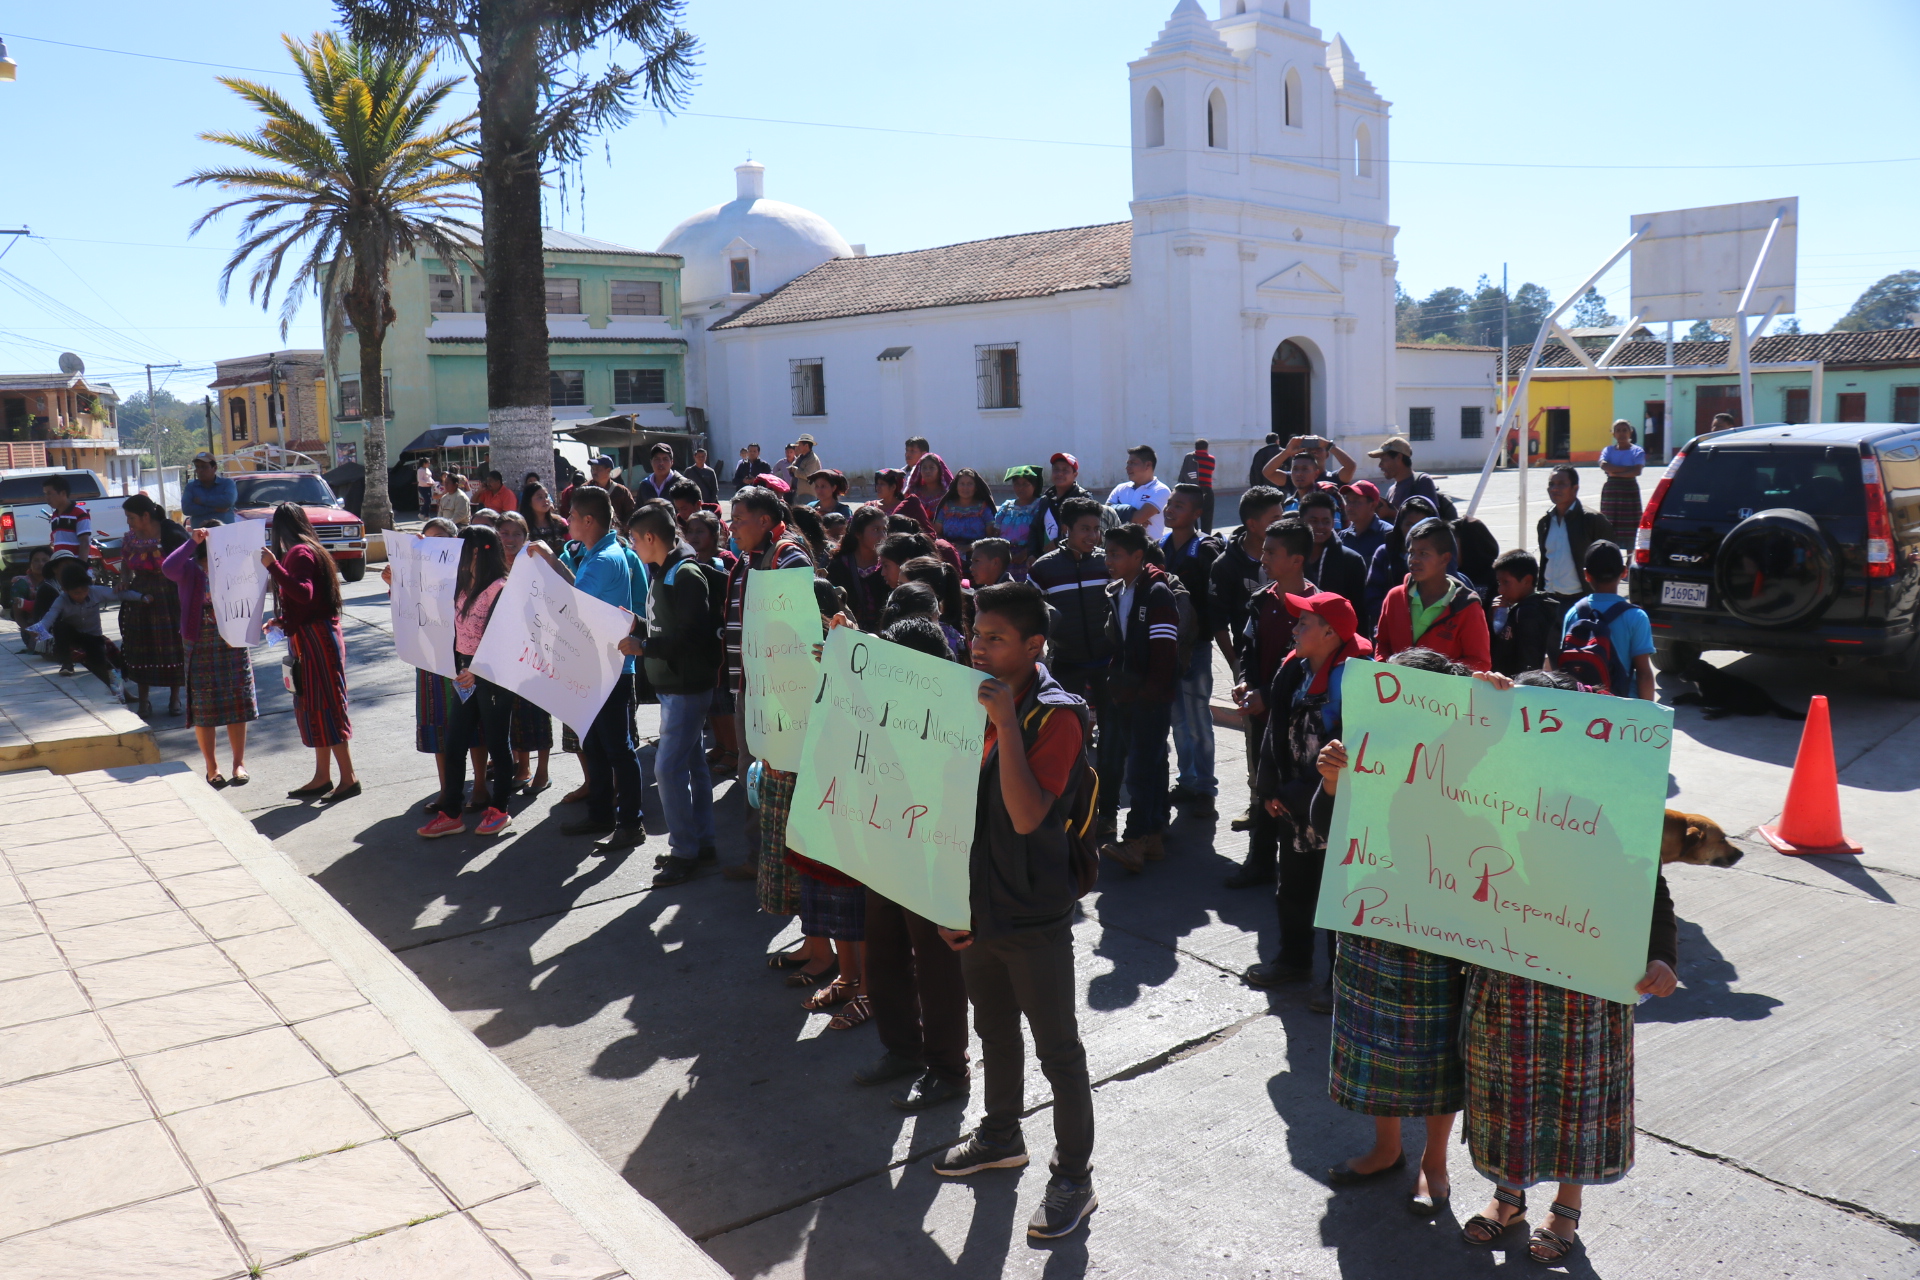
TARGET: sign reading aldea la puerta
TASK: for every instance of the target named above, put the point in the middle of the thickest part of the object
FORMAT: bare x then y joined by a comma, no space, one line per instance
1516,830
890,773
779,627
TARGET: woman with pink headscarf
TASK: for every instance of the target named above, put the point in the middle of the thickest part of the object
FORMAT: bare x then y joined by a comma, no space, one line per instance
931,479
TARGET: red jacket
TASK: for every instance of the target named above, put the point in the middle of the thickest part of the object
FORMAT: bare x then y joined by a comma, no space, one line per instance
1459,633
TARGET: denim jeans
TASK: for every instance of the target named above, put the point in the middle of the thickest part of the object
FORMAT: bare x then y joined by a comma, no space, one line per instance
686,789
1135,734
613,769
1193,724
483,720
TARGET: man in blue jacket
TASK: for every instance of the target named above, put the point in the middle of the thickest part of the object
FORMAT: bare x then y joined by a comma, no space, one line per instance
208,499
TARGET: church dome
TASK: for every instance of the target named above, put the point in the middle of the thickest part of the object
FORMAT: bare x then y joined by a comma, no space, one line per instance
750,241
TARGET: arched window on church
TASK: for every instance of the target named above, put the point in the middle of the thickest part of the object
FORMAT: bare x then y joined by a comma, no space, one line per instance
1156,130
1292,98
1362,152
1217,120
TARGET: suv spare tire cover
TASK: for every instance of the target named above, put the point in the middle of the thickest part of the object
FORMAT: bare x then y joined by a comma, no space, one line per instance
1775,568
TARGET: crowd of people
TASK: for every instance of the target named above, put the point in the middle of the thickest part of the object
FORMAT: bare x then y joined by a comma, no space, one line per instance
1098,621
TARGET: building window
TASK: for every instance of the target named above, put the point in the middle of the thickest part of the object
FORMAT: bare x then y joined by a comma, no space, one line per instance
997,368
567,387
563,297
477,294
1363,152
809,379
639,386
1156,131
1292,94
445,293
1853,406
1420,424
1906,404
349,399
1217,120
1794,406
741,275
1470,421
636,298
237,413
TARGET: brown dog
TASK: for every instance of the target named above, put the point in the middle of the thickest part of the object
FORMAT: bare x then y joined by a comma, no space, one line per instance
1695,838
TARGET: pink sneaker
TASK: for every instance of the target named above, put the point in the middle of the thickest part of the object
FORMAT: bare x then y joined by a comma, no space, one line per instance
442,825
493,822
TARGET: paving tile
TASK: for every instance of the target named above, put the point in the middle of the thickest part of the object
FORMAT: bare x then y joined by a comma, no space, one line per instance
188,859
259,954
44,1185
468,1160
212,886
41,810
18,921
310,991
103,906
106,873
354,1038
170,835
42,1048
10,890
544,1239
244,1134
99,943
24,957
161,974
405,1094
177,1238
200,1074
148,1026
66,1105
47,995
448,1246
67,828
28,781
159,812
327,1201
66,853
240,916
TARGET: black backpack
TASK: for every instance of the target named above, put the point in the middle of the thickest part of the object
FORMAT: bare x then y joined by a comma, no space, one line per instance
1589,655
1082,795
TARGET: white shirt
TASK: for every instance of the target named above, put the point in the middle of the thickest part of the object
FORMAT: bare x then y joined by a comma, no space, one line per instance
423,478
1123,607
1563,576
1153,494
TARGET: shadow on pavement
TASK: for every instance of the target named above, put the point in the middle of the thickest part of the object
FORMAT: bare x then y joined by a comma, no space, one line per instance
1708,991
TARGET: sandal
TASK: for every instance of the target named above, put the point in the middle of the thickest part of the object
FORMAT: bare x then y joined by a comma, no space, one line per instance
801,978
852,1014
1480,1229
787,959
723,764
839,991
216,780
1550,1246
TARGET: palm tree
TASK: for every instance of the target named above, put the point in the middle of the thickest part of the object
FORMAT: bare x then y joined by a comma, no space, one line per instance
340,196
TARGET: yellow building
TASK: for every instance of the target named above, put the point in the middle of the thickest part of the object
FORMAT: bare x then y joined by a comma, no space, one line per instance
1567,419
268,406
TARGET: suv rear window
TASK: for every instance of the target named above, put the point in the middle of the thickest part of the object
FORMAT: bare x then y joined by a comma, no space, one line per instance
307,490
1721,483
18,489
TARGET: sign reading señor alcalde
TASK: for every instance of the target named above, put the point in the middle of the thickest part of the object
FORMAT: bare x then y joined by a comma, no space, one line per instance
1518,830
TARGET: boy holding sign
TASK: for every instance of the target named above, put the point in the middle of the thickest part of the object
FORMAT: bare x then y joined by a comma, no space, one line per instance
1018,957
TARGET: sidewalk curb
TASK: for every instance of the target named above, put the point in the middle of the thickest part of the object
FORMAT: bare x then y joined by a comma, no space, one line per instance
641,1239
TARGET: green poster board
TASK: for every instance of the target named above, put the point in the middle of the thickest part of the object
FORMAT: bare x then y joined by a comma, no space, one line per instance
778,629
890,776
1518,831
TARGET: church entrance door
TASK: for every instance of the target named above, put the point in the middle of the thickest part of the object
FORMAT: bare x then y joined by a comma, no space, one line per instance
1292,392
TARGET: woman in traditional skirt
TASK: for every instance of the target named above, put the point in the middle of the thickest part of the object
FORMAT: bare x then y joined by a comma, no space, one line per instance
1550,1080
531,733
150,646
1623,461
219,676
433,695
309,589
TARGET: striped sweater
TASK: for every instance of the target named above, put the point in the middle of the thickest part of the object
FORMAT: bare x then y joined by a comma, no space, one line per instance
1147,665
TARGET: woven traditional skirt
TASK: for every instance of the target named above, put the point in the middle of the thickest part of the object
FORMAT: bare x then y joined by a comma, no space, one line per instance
532,728
832,910
1620,504
1396,1030
779,880
1549,1082
433,699
219,680
150,644
320,704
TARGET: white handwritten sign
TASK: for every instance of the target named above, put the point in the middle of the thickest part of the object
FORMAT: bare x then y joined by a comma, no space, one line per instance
555,646
778,631
237,581
424,570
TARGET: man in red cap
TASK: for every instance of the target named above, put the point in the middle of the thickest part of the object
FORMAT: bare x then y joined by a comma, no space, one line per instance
1066,486
1304,699
1366,532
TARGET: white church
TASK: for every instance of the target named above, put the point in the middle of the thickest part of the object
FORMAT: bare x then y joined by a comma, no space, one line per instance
1250,291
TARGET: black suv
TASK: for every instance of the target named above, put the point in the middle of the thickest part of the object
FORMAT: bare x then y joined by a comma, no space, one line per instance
1788,539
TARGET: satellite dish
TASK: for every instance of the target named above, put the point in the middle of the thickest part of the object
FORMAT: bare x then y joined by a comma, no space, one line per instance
71,363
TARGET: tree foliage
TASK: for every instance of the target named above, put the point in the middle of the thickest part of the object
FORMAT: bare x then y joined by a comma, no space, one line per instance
1591,312
1892,303
1455,316
170,428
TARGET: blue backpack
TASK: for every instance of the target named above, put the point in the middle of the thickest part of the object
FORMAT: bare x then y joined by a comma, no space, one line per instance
1588,653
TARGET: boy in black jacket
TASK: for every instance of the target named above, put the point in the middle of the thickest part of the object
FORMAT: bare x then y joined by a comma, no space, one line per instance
1143,629
1018,957
1523,626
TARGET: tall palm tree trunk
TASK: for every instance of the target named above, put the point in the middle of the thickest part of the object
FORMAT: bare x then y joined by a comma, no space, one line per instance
376,504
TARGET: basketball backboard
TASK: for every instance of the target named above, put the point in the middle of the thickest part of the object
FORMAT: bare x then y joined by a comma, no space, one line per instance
1693,264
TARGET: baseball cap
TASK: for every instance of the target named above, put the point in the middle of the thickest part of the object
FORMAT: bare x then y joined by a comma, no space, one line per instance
1398,444
1067,458
1334,610
204,456
659,448
773,482
1365,488
601,460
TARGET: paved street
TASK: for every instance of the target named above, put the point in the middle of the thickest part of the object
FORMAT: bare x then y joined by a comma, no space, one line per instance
1779,1121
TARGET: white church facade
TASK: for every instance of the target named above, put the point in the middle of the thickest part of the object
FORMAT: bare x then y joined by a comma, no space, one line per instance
1250,291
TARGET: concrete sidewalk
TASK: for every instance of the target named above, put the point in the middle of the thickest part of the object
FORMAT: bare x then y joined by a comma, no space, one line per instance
208,1069
64,724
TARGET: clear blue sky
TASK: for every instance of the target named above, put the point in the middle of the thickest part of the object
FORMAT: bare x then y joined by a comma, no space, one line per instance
94,142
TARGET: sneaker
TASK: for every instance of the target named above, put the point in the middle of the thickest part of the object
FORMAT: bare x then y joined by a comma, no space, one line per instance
1152,847
1272,975
1244,821
1107,827
624,838
888,1066
493,822
676,871
586,827
441,825
929,1091
1065,1206
981,1152
1126,854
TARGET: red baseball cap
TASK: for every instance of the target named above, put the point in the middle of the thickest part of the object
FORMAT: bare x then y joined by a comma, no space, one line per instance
1365,488
1067,458
1334,610
773,482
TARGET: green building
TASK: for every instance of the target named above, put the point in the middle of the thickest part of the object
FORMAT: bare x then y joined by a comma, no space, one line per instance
614,345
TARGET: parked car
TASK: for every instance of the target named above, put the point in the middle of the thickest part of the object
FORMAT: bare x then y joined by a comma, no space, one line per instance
24,513
341,532
1787,539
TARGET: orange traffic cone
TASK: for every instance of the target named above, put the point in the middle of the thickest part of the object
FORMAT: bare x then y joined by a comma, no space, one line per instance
1811,821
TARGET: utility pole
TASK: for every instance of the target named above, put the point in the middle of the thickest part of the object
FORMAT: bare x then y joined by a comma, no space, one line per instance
206,403
159,453
273,401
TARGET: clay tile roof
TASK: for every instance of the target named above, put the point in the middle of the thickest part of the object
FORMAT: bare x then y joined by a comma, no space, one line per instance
1033,265
1872,346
